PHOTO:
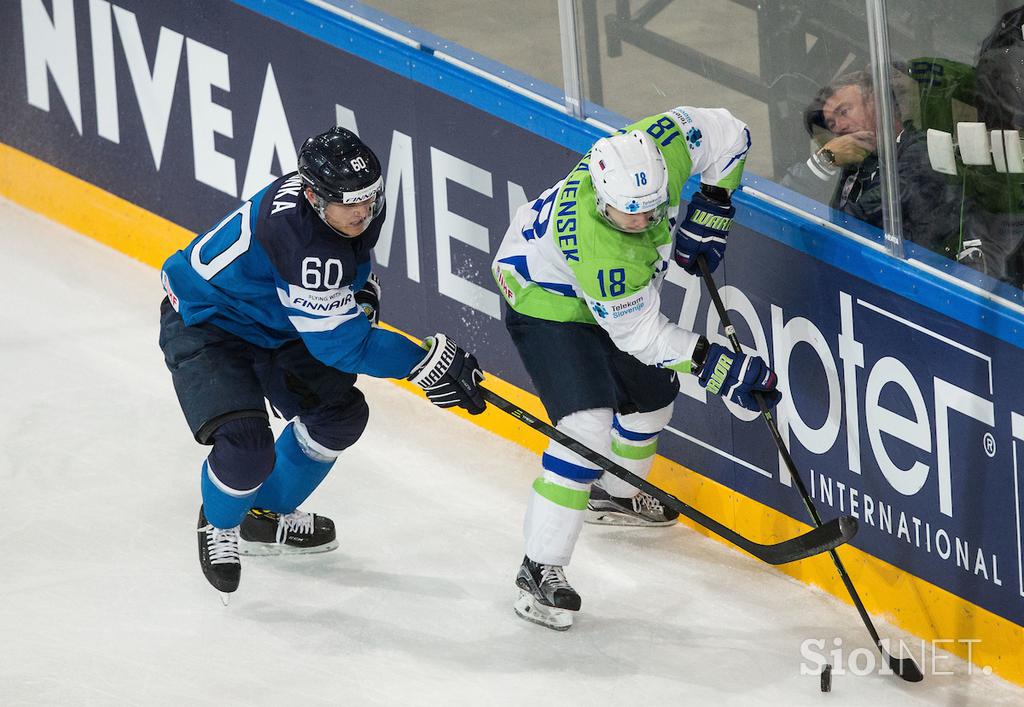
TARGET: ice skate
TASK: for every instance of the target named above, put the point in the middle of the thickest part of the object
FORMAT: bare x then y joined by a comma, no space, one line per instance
218,556
267,533
642,510
545,595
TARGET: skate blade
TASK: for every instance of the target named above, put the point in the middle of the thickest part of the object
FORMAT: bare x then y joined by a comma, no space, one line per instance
253,549
622,519
528,608
225,598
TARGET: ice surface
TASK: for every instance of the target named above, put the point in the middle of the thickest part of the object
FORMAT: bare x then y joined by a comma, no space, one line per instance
102,601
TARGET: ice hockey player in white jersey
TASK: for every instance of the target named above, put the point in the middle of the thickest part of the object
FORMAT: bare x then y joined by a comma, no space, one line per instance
581,269
278,301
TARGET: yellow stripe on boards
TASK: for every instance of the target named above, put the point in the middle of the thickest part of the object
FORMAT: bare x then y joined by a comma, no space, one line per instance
916,606
84,207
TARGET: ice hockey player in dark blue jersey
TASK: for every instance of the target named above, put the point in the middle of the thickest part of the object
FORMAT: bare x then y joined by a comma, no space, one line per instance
278,302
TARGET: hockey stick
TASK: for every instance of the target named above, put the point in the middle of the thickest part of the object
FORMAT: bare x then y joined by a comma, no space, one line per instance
906,668
824,537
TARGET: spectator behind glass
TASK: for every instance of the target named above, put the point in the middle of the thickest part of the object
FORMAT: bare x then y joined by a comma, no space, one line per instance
842,119
998,197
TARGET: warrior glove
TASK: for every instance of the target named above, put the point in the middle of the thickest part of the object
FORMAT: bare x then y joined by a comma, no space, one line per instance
703,230
739,377
449,375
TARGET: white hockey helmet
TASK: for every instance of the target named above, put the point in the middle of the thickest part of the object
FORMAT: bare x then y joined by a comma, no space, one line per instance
629,174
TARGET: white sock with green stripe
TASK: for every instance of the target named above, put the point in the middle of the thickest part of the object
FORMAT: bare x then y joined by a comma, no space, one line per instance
554,514
554,517
634,446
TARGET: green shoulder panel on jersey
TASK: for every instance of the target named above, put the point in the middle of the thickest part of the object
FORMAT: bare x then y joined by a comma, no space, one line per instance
607,263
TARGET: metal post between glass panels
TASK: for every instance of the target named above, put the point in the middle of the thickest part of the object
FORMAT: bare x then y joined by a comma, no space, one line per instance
885,137
570,58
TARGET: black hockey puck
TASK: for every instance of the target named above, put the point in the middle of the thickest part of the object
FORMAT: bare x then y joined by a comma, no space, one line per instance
826,678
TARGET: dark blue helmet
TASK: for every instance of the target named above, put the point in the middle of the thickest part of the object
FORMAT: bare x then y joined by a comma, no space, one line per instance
339,167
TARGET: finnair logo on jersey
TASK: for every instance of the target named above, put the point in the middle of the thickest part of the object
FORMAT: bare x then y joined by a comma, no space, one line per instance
314,302
312,306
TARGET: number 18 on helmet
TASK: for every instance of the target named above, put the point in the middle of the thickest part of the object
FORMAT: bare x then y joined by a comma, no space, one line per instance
629,175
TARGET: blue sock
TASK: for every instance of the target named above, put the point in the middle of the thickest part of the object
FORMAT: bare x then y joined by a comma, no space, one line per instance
222,509
294,478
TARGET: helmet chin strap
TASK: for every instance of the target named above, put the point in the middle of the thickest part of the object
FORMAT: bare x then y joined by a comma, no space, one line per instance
603,211
320,206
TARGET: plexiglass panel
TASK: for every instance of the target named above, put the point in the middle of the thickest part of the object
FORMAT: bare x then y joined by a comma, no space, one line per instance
522,35
799,72
763,61
963,65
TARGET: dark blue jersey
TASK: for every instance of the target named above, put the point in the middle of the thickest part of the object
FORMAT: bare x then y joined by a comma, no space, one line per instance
272,271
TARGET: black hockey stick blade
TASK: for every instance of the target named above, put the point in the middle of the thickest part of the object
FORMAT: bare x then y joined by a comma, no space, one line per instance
906,668
825,537
821,539
814,542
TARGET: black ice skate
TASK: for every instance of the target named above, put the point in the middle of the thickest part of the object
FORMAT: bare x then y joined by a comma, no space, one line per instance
641,510
218,556
545,595
267,533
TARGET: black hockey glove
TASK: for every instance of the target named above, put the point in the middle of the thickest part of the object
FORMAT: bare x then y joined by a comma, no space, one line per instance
369,299
738,377
703,230
449,375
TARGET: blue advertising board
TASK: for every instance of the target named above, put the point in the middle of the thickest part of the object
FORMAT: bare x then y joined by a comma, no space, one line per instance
894,412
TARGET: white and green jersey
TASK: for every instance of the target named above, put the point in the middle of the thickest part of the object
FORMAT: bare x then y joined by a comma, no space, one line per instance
561,261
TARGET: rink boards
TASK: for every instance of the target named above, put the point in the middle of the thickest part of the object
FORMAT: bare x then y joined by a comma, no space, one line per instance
140,123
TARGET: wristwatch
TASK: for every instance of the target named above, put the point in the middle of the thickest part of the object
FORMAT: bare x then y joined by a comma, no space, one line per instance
823,163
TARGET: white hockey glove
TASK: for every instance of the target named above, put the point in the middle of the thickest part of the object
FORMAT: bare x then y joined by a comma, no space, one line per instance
449,375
